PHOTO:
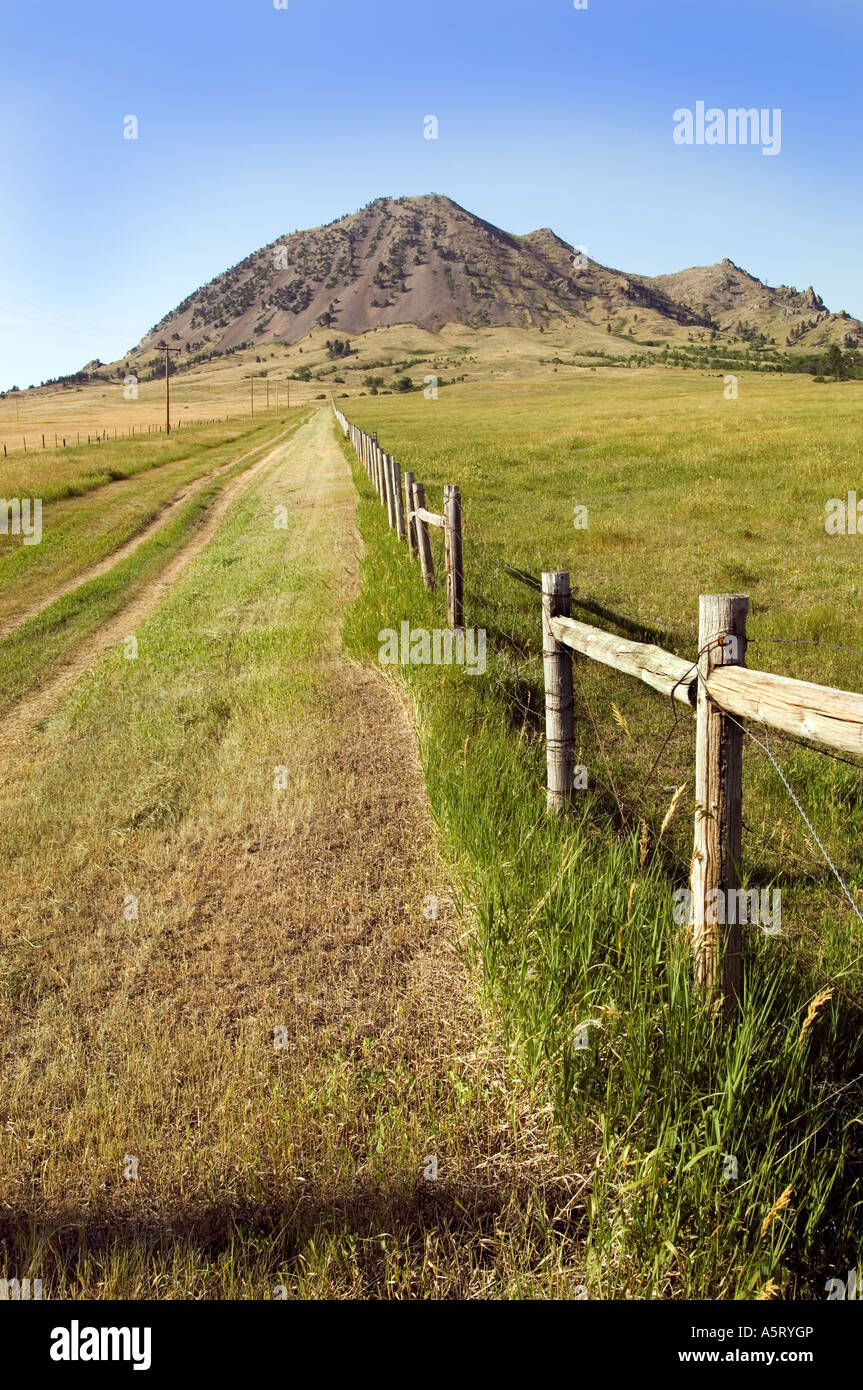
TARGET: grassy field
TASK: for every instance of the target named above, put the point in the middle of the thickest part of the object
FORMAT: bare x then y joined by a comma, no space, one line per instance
217,392
108,525
96,498
221,387
687,493
294,904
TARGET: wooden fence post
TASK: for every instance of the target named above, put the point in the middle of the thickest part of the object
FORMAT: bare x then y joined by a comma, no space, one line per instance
455,576
447,561
411,522
426,561
399,500
389,489
718,805
559,713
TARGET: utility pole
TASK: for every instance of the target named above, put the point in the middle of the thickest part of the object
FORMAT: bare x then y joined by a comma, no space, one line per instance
252,392
163,347
268,393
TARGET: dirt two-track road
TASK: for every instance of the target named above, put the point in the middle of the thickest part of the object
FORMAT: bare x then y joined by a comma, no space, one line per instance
243,1056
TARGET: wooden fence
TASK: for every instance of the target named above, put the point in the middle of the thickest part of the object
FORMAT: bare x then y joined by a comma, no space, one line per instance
718,688
721,691
409,516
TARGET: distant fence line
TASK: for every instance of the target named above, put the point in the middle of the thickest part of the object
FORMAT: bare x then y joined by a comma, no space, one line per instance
409,516
103,436
718,688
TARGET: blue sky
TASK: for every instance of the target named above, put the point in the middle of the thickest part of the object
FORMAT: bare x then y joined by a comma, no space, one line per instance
255,121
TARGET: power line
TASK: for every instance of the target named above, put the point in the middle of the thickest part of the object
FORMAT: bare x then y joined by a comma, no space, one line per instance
163,347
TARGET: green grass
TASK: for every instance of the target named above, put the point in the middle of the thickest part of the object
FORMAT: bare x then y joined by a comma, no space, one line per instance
37,646
98,497
687,493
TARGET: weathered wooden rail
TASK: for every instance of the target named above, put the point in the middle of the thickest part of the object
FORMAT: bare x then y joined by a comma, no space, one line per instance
411,518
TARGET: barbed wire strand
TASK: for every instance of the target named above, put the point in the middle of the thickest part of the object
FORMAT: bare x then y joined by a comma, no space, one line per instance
765,747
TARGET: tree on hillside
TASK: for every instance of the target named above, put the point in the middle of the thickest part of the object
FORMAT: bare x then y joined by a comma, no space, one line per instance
338,347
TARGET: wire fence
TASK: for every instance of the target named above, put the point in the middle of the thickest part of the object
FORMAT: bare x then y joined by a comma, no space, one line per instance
491,585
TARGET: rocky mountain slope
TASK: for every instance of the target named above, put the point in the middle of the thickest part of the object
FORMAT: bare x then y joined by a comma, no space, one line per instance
427,261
